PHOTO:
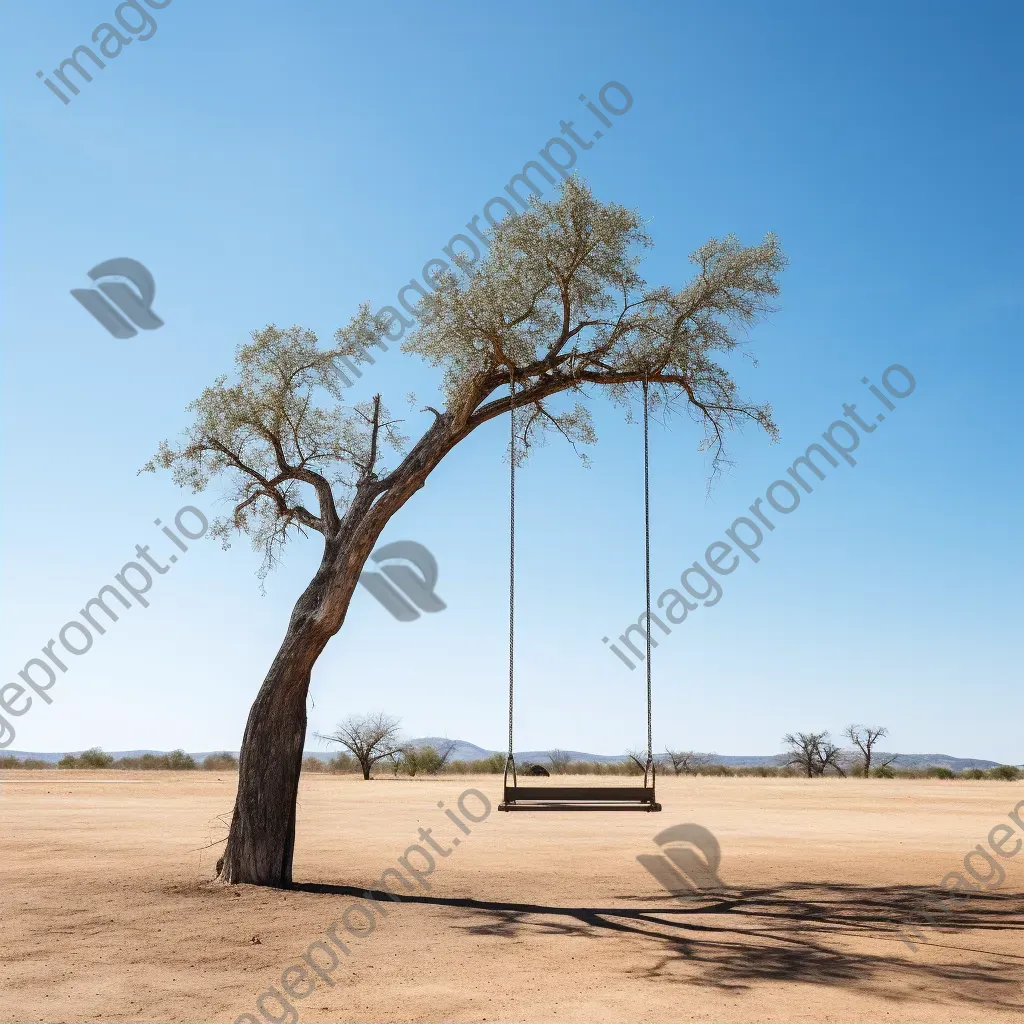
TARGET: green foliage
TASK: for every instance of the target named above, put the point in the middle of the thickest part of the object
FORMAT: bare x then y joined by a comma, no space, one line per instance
494,764
342,762
179,761
176,761
92,758
938,772
558,302
9,762
1005,772
37,763
883,772
222,762
425,760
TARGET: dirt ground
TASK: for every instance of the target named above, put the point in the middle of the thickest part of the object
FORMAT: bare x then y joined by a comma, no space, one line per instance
109,913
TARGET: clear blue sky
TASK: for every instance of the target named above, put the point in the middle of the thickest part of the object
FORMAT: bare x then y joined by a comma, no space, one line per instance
275,163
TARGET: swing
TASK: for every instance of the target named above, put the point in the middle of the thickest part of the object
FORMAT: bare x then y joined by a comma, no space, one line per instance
574,798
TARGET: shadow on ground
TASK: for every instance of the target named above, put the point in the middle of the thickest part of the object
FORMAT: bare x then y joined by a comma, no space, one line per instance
812,933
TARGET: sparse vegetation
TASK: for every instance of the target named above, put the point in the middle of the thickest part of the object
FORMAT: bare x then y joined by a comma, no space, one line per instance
429,759
92,758
368,738
813,753
222,762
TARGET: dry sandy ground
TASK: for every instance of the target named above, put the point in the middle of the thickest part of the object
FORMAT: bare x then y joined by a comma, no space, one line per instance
108,911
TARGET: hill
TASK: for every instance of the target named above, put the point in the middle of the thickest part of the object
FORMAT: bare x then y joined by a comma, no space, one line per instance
466,751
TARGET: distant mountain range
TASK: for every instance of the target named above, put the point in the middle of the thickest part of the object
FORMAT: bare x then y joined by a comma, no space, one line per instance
465,751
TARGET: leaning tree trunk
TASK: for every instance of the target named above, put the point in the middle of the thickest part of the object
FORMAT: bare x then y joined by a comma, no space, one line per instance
261,840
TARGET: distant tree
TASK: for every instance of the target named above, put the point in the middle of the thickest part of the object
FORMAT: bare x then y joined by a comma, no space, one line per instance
9,762
686,762
1006,772
222,762
396,760
445,749
408,761
428,760
314,765
179,761
342,762
559,761
864,738
37,762
91,758
813,753
368,738
831,756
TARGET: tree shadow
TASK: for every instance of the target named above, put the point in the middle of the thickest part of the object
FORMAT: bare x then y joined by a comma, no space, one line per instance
807,932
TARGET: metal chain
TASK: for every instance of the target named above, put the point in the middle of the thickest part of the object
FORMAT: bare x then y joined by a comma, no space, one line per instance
511,559
647,568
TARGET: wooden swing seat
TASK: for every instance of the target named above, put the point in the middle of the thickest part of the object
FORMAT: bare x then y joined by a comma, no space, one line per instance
579,798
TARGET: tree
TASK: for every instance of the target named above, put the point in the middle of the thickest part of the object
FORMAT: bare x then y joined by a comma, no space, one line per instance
687,762
864,738
559,761
179,761
444,750
94,757
368,738
813,753
557,307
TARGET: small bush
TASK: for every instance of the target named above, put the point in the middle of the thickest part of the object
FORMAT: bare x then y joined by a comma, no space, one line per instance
429,760
493,765
314,765
342,762
222,762
938,772
1005,772
973,773
883,772
179,761
37,763
9,762
92,758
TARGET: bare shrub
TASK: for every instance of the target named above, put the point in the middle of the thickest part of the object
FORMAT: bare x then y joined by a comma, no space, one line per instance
368,738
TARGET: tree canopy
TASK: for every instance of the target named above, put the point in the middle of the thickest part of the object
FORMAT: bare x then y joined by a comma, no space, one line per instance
558,306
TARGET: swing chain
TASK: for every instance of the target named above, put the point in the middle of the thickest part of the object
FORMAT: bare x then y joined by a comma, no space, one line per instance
647,579
511,760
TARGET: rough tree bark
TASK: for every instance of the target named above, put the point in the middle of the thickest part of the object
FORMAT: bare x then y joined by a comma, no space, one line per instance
261,840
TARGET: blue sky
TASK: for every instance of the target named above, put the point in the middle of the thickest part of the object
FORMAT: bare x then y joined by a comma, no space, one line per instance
274,164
